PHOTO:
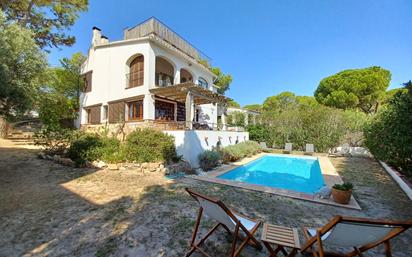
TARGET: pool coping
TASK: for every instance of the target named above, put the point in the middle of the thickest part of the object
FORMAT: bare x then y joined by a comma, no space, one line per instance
329,173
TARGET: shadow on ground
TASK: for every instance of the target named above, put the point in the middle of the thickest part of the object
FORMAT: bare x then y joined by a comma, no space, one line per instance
52,210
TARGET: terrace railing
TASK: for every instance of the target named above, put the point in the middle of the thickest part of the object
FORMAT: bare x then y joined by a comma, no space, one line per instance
156,27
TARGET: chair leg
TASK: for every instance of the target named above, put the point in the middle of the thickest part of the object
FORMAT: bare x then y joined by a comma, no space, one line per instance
235,235
358,252
199,217
319,239
307,237
388,250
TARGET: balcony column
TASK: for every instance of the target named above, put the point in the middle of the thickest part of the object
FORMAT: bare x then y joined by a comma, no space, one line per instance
246,118
189,106
223,118
254,119
148,107
177,77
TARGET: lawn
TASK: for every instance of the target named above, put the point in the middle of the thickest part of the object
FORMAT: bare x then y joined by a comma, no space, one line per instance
51,210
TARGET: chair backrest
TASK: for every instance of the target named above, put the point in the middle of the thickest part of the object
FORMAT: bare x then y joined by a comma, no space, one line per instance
214,209
263,145
355,234
310,148
288,146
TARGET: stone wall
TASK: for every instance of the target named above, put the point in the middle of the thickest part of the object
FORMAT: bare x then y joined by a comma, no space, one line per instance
121,130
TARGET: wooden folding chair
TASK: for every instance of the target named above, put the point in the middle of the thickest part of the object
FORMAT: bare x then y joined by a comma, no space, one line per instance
233,222
357,234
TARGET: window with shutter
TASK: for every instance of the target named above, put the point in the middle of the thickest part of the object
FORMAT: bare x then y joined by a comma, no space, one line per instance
135,110
116,112
87,80
136,75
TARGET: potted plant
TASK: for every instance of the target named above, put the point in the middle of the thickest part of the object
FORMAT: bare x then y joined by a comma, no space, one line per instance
342,192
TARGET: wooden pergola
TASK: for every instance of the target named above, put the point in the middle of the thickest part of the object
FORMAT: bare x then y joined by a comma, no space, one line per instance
179,93
190,94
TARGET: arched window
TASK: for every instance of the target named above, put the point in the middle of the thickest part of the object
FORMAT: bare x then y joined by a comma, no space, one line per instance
136,74
202,82
185,76
164,75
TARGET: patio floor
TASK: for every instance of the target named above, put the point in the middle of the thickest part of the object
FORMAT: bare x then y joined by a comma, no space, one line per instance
50,210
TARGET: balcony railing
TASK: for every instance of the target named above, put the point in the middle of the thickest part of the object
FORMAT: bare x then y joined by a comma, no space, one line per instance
134,80
164,80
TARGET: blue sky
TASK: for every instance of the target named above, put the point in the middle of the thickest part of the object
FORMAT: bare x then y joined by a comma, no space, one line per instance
270,46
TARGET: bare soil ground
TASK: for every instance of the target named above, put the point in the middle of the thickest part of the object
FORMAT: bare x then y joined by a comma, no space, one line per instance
51,210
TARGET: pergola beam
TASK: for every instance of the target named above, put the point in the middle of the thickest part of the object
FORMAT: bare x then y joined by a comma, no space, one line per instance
180,91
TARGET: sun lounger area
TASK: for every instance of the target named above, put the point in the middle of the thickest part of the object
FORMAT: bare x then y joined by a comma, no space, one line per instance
357,234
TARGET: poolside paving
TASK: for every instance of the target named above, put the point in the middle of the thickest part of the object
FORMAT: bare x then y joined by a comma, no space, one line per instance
329,173
50,210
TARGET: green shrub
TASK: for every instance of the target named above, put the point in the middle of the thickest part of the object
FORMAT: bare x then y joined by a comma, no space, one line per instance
148,145
54,141
110,150
389,135
84,148
258,132
344,187
209,159
236,152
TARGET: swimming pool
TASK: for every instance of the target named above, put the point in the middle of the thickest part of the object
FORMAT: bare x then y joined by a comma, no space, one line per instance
294,173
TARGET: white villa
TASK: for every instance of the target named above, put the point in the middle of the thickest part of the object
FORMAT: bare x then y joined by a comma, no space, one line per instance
154,78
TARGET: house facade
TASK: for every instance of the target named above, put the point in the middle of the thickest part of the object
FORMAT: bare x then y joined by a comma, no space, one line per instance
152,78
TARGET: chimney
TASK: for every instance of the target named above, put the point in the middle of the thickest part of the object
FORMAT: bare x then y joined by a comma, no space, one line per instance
97,34
104,40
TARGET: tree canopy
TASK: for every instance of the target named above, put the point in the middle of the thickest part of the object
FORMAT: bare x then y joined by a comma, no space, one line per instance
253,107
389,135
222,80
355,88
22,65
279,102
47,19
233,103
60,96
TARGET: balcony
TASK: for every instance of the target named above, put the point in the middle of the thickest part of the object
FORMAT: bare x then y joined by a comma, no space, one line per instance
134,79
163,80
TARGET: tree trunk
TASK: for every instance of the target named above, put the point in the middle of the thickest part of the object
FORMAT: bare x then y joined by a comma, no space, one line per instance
3,127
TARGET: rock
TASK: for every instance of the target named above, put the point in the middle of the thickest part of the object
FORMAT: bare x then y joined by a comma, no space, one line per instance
67,162
56,158
179,167
89,164
324,192
99,164
161,166
145,165
112,166
122,168
153,165
41,155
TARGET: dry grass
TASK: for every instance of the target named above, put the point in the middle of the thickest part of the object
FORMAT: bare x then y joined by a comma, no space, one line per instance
50,210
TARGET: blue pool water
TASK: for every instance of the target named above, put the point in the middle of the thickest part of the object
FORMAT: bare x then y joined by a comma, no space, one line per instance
300,174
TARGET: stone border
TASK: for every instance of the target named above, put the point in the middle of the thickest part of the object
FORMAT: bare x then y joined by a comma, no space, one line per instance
398,179
329,173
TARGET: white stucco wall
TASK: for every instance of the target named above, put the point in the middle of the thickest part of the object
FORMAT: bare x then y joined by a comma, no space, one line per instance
208,114
109,65
190,143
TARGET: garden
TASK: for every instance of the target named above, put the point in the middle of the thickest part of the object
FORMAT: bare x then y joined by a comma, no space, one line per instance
111,196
